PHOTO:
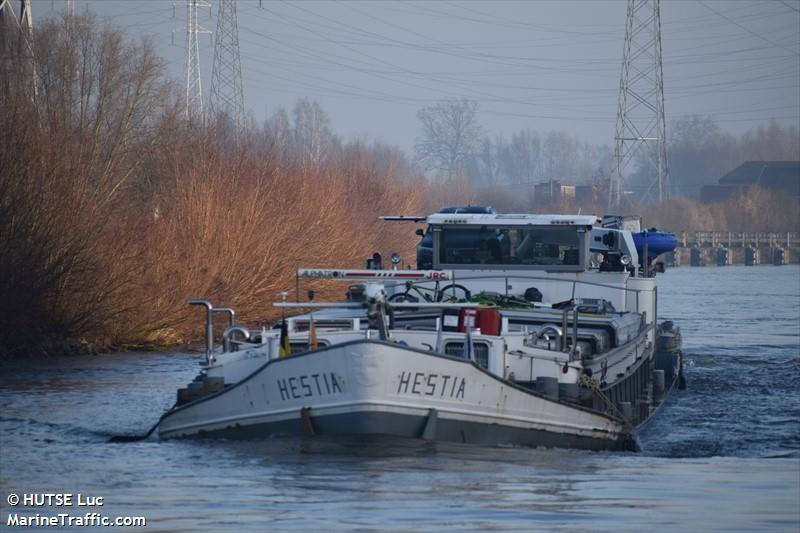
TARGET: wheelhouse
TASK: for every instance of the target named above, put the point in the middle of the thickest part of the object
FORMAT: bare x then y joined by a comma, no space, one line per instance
553,243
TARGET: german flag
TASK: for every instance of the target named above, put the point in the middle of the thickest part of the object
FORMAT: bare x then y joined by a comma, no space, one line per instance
285,348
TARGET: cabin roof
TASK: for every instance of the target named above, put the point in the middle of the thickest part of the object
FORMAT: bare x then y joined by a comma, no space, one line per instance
485,219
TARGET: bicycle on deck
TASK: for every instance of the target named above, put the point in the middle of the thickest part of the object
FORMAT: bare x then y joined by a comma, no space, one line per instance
451,293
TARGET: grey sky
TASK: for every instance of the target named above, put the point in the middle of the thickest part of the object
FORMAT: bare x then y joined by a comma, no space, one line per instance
545,65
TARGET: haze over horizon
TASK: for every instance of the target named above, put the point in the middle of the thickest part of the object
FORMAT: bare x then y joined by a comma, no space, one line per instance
541,65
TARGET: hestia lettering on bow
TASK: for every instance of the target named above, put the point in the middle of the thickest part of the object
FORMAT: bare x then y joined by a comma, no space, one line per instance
308,385
436,385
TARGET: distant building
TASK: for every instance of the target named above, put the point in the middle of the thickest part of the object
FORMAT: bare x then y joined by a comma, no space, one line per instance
779,176
547,191
553,191
567,191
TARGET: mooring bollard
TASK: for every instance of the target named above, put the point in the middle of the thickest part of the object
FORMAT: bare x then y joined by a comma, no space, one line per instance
213,384
183,396
195,390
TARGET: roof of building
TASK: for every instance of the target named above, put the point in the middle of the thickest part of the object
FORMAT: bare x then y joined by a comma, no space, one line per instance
772,175
762,172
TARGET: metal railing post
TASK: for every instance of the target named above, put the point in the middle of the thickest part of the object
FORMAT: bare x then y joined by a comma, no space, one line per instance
231,314
655,304
209,325
574,333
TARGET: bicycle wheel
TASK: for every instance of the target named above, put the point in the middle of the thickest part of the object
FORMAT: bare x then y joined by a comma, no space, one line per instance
453,293
403,297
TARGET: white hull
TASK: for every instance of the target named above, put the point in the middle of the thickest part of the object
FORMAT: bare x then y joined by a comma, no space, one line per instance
373,387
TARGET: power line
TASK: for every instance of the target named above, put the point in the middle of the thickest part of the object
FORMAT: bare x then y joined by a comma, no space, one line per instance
748,30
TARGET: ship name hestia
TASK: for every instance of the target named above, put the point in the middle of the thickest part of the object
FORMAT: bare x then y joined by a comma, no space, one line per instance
308,385
437,385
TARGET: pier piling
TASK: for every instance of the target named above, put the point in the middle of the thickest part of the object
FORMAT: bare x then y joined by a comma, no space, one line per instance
730,248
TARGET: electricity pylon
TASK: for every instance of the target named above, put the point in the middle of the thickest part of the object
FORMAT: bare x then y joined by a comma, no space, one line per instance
16,45
19,28
227,95
641,130
194,91
9,31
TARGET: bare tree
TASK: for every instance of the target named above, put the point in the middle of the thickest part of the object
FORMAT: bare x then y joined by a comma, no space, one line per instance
772,141
560,156
312,134
450,133
277,136
523,157
484,166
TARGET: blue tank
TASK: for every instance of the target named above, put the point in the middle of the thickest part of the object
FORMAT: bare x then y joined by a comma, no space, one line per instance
658,242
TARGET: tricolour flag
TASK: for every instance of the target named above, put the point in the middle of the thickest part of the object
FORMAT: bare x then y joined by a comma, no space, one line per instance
285,348
312,334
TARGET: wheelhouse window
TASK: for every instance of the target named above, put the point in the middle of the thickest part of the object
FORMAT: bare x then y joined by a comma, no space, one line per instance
466,246
538,246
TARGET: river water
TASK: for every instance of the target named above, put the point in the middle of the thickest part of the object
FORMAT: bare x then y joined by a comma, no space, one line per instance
723,455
